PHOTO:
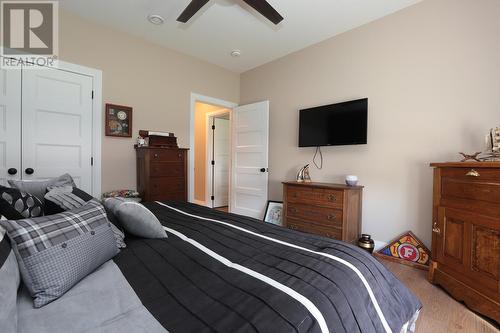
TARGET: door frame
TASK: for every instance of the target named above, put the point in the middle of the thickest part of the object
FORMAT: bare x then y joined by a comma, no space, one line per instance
209,149
202,99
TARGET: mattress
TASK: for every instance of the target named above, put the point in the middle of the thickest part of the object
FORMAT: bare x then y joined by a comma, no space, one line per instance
220,272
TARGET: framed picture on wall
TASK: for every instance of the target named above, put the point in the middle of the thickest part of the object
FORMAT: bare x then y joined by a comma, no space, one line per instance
118,120
274,212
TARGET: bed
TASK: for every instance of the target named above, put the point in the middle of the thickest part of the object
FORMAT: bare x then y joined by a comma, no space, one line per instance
220,272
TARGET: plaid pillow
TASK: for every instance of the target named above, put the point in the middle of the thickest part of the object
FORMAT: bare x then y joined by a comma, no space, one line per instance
55,252
62,198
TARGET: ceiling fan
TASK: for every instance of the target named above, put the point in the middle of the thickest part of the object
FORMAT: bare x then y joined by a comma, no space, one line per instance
262,6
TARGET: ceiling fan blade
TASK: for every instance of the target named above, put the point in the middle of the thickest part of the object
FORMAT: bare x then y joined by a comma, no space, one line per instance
191,10
263,7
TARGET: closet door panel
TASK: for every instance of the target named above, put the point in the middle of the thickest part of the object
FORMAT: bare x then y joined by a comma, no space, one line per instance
10,125
57,125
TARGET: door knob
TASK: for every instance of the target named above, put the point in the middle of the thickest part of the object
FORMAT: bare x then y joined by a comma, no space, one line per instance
263,170
29,171
12,171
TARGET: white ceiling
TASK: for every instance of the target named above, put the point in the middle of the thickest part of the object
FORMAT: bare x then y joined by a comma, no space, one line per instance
224,25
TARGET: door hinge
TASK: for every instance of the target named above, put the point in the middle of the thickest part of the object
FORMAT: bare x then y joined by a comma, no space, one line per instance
212,198
92,161
213,127
213,162
92,94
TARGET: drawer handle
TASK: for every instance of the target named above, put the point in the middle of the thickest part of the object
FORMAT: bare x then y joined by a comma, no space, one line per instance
332,197
293,209
293,227
472,173
435,229
332,216
180,155
156,155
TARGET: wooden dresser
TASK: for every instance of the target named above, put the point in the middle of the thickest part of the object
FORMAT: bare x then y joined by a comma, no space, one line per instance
466,234
329,210
162,173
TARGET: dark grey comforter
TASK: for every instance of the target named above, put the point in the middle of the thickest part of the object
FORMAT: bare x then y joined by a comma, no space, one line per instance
219,272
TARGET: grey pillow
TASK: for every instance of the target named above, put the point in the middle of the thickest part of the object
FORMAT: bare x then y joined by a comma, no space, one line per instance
9,283
136,219
39,187
55,252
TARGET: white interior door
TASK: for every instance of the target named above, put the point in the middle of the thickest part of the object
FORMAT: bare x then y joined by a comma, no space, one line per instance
250,139
10,125
222,153
57,125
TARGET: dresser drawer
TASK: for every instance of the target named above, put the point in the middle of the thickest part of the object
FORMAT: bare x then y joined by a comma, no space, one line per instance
314,229
471,174
167,169
315,196
475,190
167,155
163,185
315,214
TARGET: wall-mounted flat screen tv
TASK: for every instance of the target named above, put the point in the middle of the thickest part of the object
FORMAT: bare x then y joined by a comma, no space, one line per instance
334,125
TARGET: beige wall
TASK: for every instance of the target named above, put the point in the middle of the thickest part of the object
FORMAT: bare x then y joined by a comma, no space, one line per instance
200,149
155,81
432,76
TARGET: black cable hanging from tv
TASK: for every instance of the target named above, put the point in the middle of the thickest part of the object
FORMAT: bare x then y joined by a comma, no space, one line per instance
318,150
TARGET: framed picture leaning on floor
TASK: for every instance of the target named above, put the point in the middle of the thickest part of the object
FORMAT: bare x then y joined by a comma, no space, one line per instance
274,212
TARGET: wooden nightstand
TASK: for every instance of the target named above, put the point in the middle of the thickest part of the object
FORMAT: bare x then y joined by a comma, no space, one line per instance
330,210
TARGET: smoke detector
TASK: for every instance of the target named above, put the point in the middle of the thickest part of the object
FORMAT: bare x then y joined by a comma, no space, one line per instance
235,53
156,19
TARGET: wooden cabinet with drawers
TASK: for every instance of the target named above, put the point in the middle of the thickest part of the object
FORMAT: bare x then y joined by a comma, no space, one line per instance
329,210
466,234
162,173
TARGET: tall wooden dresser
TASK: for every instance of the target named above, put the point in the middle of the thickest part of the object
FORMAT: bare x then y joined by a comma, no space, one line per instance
329,210
466,234
162,173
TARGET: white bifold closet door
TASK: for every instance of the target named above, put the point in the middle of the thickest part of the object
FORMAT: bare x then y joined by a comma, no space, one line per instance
10,125
57,125
250,140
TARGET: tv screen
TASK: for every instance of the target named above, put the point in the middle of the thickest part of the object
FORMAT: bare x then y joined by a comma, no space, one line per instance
334,125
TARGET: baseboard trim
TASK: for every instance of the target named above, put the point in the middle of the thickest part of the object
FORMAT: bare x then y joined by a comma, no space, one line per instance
199,202
379,245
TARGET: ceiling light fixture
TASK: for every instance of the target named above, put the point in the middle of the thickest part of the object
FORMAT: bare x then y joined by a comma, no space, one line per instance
235,53
156,19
